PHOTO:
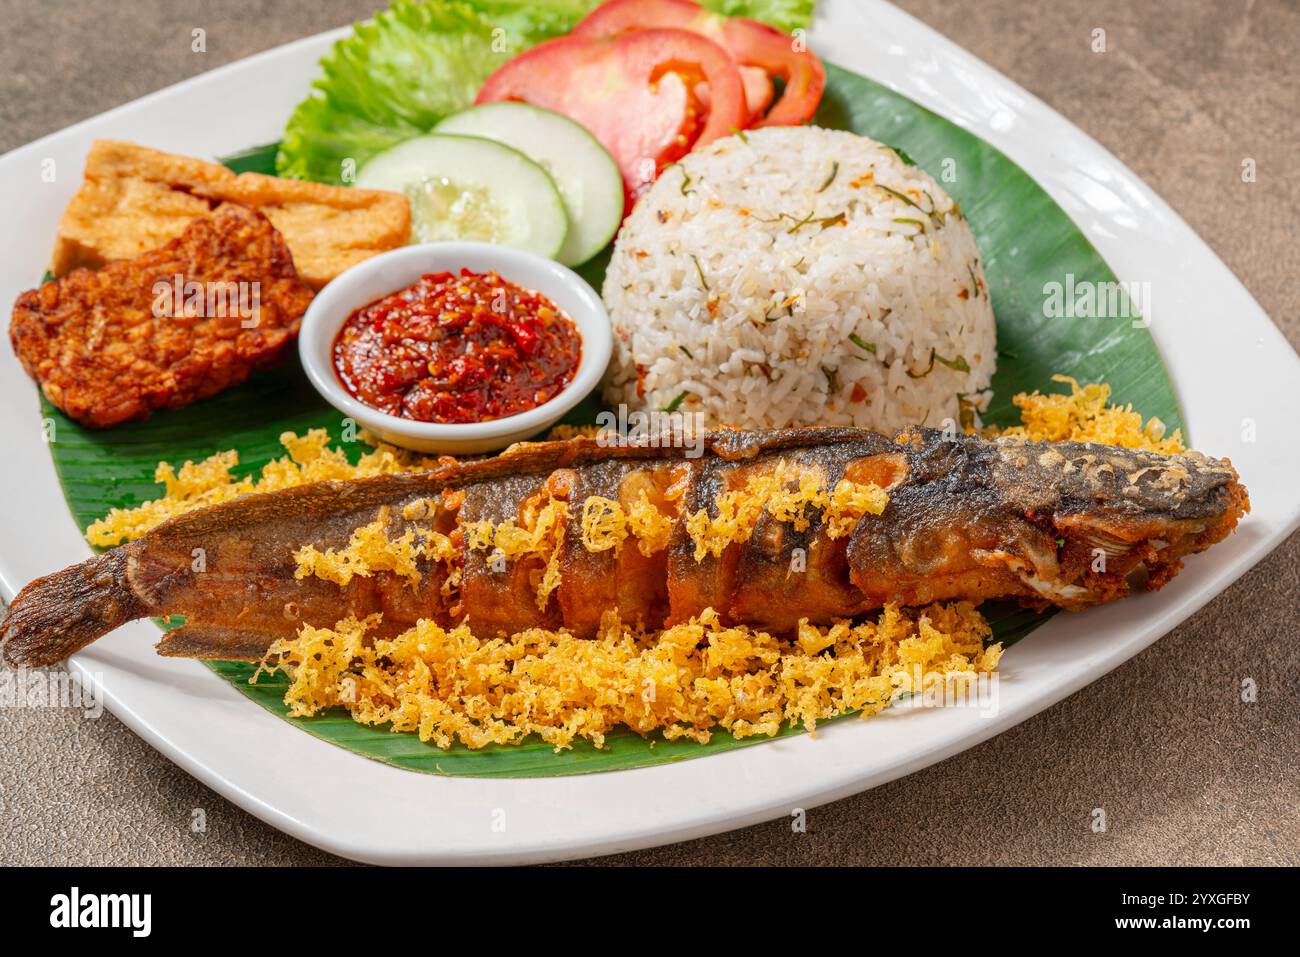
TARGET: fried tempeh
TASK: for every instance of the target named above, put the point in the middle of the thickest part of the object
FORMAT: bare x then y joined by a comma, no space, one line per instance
1065,524
114,345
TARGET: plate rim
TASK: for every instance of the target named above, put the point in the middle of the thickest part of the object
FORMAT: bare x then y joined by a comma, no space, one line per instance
253,780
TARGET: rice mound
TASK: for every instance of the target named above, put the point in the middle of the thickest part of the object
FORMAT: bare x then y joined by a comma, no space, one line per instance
800,276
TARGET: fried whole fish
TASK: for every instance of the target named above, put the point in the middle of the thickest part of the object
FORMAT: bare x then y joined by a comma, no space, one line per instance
559,534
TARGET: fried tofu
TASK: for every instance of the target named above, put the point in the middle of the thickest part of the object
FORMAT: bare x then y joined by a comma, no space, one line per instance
134,199
167,328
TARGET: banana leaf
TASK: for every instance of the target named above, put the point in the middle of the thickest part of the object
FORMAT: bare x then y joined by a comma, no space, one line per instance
1025,239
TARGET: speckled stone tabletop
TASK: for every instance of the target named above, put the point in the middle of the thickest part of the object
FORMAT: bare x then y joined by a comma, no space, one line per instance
1187,772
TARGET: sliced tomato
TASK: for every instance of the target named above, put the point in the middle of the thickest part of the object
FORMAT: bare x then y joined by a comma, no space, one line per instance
636,93
751,43
619,16
756,44
758,93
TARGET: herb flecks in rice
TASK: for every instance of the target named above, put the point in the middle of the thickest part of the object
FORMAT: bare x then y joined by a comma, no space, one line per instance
712,257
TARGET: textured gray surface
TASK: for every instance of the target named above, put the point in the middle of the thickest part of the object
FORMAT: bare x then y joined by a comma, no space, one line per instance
1186,772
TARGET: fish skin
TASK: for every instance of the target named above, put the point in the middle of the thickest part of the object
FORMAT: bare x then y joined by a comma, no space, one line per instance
502,599
591,582
755,582
968,518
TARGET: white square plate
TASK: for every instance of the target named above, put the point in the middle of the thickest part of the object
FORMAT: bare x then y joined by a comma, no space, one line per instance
1228,363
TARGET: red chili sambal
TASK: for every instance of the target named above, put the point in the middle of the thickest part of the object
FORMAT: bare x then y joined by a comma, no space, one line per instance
450,348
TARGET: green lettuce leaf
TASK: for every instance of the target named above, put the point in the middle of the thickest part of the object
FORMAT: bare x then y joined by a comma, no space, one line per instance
421,60
787,15
396,76
321,138
560,16
539,19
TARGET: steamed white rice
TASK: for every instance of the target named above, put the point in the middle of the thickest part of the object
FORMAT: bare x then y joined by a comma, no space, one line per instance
753,280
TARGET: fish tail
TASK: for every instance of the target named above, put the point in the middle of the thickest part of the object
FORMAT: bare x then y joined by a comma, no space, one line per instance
60,614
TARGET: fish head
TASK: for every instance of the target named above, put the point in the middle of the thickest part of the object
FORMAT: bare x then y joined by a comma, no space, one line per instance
1113,514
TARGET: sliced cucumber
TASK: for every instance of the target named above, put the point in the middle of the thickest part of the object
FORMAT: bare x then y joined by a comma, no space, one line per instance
468,187
585,173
